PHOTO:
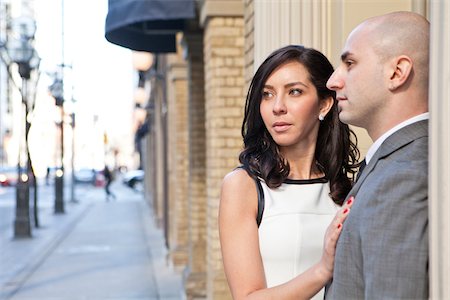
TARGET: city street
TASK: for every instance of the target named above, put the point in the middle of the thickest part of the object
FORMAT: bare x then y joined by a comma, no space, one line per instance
98,249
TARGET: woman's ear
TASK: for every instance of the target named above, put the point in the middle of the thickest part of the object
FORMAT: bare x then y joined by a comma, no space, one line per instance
325,105
400,69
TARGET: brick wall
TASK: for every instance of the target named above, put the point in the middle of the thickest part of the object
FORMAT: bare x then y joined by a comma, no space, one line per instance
178,158
195,281
249,41
224,81
159,150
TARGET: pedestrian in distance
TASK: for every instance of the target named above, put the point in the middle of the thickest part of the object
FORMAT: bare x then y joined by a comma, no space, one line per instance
109,177
281,211
382,86
47,176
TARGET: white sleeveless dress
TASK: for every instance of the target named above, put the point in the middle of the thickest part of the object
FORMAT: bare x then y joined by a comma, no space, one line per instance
295,218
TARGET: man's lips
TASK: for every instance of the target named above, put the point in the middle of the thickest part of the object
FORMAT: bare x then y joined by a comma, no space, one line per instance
281,126
340,102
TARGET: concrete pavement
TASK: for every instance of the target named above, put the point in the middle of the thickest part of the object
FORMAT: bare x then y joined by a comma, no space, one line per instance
98,249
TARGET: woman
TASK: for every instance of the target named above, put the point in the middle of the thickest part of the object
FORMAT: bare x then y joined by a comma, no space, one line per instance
299,154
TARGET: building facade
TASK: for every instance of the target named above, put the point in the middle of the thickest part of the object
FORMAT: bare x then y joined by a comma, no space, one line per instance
195,114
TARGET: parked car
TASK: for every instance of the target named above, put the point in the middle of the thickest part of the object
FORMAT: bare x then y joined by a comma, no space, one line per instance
85,176
132,178
8,176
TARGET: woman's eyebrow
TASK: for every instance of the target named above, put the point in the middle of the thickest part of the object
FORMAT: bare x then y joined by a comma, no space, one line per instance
294,84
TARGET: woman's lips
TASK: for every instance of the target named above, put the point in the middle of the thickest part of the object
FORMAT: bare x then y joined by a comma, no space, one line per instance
281,126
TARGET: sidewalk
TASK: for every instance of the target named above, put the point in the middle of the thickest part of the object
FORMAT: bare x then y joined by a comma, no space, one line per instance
96,250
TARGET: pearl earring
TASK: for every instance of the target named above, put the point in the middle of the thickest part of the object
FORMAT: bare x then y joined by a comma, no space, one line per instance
321,117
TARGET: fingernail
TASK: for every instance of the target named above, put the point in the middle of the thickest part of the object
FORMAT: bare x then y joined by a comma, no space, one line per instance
345,211
339,226
350,200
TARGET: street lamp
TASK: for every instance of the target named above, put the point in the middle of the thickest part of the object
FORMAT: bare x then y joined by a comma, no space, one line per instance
21,51
57,91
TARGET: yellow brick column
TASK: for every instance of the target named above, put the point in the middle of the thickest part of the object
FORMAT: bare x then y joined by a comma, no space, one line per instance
249,33
195,275
178,163
159,121
224,95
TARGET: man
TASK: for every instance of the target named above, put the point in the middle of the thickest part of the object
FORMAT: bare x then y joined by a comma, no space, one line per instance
109,177
382,86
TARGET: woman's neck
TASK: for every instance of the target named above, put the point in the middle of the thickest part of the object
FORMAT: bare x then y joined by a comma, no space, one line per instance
301,159
303,166
304,171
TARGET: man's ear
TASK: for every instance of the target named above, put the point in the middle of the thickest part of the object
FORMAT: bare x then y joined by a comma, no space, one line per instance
400,71
325,105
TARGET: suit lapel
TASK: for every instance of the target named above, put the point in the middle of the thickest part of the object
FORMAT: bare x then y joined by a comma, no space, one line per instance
394,142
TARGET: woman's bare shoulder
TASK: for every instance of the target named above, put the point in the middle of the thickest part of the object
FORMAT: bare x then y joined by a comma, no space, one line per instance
238,186
239,179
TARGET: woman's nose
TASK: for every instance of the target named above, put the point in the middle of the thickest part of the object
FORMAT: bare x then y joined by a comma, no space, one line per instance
279,106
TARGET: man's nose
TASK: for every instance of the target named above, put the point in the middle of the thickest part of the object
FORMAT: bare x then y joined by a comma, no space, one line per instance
335,81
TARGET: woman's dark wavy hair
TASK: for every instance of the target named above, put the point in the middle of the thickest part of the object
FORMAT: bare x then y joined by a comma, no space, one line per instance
336,154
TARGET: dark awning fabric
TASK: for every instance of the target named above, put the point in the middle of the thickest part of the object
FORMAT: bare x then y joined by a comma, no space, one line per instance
147,25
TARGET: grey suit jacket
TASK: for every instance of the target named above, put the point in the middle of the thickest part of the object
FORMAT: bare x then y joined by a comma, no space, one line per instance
382,252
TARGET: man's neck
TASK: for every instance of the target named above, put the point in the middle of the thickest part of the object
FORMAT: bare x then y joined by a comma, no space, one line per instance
377,143
377,129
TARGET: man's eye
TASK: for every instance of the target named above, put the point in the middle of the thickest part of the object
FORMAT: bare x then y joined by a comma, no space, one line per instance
348,63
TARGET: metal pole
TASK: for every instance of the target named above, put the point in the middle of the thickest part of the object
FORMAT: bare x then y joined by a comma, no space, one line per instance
59,178
72,162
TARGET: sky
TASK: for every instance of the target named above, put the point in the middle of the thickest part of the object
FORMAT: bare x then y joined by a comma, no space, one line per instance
101,78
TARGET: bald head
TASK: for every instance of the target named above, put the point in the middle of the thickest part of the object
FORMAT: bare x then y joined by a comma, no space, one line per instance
400,33
383,76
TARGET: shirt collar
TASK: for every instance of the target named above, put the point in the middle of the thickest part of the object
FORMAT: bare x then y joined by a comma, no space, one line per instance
381,139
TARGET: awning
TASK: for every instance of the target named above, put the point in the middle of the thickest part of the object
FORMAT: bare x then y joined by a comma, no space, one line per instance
147,25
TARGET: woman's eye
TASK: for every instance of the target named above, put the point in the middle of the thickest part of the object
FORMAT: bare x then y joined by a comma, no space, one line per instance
267,94
295,92
348,63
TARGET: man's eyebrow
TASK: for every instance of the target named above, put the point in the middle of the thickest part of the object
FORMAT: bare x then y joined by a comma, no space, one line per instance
345,55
